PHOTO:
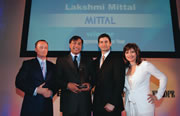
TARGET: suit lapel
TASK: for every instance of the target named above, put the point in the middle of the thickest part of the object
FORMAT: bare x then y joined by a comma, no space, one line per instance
106,61
71,64
82,62
48,70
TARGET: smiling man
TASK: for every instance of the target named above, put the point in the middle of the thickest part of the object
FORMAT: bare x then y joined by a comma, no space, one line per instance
74,78
109,82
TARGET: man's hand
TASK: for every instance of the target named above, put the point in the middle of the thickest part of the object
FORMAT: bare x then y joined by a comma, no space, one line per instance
87,88
73,87
44,91
48,93
109,107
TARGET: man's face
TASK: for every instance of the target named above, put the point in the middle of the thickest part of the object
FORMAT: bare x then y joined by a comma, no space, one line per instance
104,44
75,46
41,49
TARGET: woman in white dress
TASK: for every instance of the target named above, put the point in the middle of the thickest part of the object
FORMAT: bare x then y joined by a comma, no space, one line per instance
139,101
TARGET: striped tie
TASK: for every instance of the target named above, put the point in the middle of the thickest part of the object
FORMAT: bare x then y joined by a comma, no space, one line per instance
43,69
102,60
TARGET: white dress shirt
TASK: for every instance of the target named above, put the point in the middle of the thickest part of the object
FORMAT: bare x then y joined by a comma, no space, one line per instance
105,55
78,57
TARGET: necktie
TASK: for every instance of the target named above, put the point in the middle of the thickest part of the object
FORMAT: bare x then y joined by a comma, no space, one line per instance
102,60
75,62
43,69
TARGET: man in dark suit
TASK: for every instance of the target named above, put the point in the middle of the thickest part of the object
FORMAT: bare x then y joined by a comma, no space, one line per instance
74,78
37,82
109,82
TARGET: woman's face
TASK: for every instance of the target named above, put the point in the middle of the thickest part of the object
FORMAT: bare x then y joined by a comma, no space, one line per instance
130,55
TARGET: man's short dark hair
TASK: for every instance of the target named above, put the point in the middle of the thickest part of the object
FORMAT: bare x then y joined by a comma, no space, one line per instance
39,41
75,38
104,35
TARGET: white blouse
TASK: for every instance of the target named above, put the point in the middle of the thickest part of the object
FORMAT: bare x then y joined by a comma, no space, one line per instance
137,88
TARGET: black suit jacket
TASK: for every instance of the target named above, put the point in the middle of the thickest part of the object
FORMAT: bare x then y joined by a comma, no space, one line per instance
109,83
66,72
28,78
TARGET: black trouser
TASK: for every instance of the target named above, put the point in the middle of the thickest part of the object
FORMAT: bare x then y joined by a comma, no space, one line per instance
114,113
77,114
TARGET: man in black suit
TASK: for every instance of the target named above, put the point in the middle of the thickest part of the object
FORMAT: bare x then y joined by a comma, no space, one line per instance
109,82
74,78
37,82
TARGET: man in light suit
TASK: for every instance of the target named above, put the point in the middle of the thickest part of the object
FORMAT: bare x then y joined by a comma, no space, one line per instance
37,83
74,78
109,82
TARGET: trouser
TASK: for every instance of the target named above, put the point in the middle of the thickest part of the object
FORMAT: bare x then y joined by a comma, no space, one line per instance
105,113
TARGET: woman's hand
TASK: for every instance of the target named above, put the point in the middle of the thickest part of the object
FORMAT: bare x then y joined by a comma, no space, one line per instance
152,98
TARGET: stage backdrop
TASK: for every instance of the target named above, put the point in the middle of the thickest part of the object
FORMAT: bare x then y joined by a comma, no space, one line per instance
11,21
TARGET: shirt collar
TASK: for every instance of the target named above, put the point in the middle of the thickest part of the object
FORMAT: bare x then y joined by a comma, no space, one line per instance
40,60
106,54
78,55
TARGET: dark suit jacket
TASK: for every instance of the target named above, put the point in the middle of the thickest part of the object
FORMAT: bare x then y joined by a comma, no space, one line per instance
109,83
28,78
66,72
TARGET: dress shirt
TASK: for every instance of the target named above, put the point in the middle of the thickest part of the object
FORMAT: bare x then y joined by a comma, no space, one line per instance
105,55
78,57
40,61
